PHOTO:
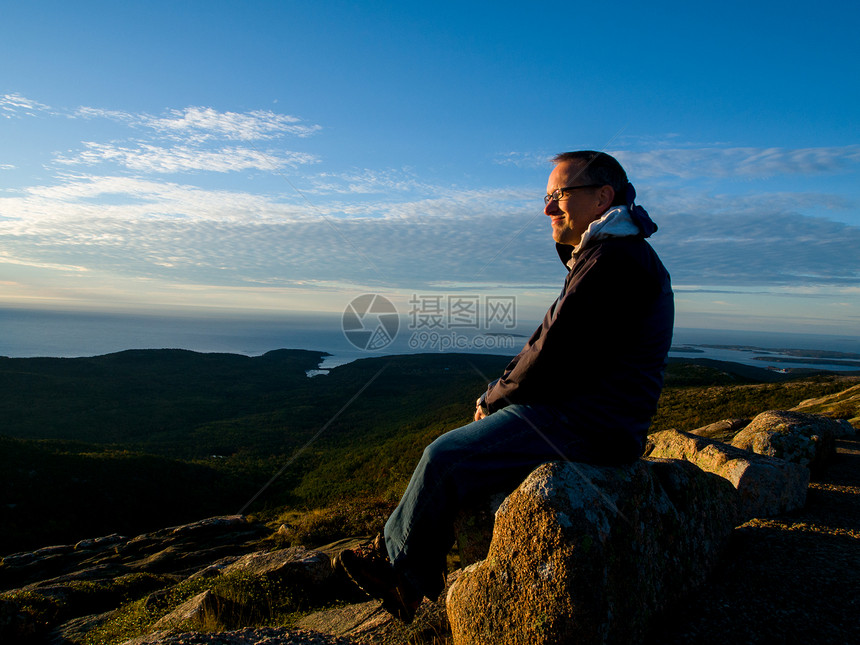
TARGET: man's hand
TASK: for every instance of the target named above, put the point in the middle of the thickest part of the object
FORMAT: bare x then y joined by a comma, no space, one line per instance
479,412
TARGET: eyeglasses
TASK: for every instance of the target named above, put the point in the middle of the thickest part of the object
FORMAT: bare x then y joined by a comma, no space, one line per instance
559,193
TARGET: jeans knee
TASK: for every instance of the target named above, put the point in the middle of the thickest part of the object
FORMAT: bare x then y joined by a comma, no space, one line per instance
442,451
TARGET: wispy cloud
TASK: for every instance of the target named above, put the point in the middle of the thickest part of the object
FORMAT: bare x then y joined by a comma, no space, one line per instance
97,198
738,162
8,259
794,291
181,141
750,249
81,196
15,105
204,123
232,237
151,158
662,200
145,227
715,161
101,113
523,159
191,124
247,126
367,182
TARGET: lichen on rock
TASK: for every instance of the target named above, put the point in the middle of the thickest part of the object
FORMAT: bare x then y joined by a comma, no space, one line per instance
588,554
766,486
796,437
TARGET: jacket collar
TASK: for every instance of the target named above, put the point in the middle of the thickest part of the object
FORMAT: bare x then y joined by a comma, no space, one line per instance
616,222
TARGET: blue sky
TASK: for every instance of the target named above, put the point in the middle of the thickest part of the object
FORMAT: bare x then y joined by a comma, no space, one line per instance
288,156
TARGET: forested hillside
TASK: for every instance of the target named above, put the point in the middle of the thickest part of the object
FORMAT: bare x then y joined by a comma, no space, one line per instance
140,439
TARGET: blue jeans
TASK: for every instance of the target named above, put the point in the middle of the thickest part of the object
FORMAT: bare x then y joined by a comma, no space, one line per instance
465,465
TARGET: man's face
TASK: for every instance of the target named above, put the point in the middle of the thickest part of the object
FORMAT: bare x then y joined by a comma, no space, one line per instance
578,208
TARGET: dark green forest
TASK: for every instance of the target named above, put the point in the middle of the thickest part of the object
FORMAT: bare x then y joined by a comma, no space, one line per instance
139,440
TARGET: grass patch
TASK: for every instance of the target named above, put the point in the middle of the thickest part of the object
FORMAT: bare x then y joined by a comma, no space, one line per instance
36,612
319,526
243,600
689,407
26,615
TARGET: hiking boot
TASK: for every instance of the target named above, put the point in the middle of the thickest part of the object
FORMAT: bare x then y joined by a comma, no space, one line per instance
369,568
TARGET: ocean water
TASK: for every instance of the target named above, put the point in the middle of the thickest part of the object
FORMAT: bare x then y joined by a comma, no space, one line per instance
30,333
766,346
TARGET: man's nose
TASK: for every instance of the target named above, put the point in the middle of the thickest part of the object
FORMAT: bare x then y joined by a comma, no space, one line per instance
551,207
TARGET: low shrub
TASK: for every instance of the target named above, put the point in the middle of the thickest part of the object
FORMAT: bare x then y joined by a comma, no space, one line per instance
345,518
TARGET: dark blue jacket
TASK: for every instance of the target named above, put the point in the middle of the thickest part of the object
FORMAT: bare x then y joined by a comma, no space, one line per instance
601,349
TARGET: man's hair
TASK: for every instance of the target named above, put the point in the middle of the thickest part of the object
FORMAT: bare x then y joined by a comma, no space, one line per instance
598,168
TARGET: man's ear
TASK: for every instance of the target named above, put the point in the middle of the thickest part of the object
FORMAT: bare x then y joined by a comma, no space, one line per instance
606,195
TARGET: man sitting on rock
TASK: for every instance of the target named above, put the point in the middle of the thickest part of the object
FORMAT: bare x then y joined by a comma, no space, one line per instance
584,387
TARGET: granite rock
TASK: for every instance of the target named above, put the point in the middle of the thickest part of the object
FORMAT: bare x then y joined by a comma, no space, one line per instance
590,554
767,486
797,437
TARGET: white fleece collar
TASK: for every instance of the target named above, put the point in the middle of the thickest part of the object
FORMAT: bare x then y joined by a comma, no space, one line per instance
616,222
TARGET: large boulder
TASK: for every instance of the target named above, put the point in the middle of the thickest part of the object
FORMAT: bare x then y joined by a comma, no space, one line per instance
845,429
311,569
797,437
724,430
587,554
767,486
